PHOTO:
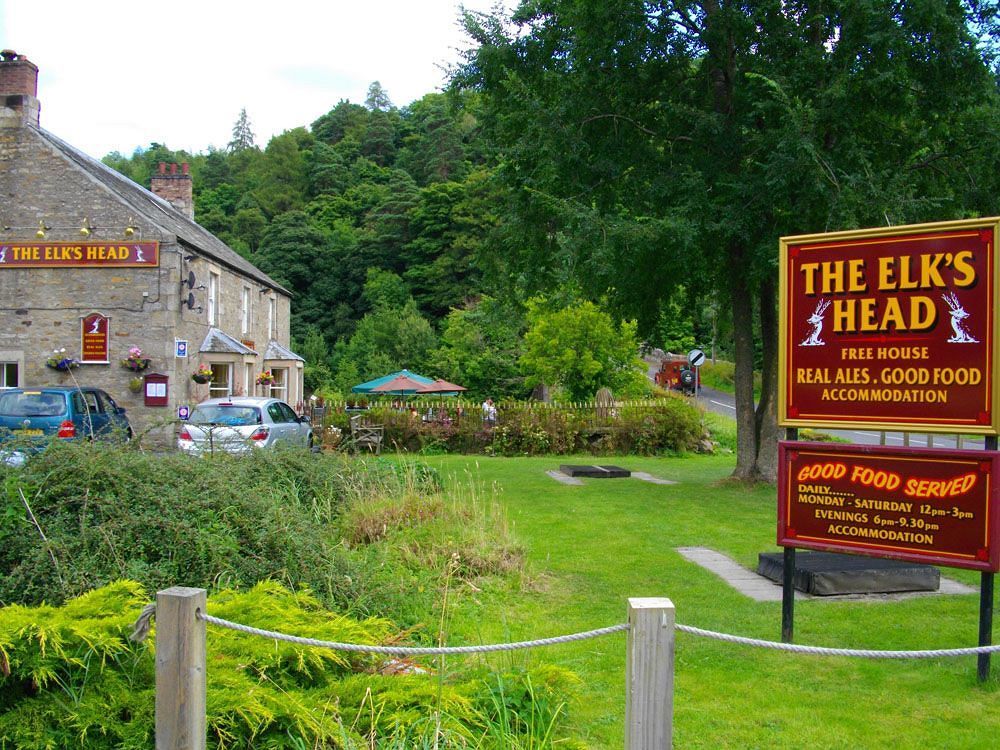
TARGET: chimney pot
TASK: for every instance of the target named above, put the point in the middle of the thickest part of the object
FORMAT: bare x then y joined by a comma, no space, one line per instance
163,167
185,167
173,168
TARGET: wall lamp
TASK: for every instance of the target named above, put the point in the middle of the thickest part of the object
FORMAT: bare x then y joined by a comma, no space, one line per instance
42,229
265,289
130,227
86,228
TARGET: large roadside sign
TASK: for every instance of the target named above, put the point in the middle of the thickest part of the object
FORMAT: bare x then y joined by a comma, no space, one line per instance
927,506
891,328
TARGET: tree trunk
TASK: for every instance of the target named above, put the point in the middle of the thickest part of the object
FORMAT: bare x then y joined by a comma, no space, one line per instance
767,409
746,422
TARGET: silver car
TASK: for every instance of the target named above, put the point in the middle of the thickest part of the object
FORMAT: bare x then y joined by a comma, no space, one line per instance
240,424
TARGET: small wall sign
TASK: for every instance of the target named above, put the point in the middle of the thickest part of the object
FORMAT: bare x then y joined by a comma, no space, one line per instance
95,332
180,348
183,411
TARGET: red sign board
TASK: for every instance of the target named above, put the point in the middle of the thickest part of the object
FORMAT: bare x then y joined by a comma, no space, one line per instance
79,254
927,506
891,328
95,333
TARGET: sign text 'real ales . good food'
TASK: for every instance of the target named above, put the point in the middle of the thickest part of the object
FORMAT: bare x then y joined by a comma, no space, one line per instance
890,328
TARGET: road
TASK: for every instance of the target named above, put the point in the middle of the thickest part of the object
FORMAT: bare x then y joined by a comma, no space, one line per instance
724,403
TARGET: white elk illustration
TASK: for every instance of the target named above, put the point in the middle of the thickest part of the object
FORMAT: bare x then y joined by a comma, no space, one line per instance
3,254
958,314
816,321
138,254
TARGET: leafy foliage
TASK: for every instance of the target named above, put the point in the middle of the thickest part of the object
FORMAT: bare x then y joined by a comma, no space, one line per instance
71,678
579,348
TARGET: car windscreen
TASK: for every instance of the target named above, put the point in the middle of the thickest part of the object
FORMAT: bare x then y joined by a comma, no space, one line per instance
32,404
229,415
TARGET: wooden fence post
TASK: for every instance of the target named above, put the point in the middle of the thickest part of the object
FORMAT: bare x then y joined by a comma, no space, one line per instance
180,669
649,675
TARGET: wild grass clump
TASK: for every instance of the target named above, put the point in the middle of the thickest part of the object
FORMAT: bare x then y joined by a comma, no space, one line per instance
78,516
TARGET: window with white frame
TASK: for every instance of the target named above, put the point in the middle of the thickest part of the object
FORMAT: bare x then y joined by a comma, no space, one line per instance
279,388
245,313
271,317
213,299
222,380
9,375
248,379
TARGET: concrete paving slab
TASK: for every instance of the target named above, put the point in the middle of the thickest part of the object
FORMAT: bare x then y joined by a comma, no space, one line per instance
645,477
564,478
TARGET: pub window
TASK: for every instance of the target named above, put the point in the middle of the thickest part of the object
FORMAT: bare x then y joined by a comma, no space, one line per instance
279,388
248,379
271,314
8,375
246,310
222,380
213,298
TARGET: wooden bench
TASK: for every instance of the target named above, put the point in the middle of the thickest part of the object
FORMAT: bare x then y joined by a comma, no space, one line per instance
366,436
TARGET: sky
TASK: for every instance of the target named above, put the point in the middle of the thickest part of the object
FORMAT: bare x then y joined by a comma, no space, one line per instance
118,75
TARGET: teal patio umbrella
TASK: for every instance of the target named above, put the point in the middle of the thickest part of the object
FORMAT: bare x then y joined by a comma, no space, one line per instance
369,386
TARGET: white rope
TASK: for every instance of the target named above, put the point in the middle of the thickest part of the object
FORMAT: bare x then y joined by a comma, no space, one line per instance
413,650
822,651
488,648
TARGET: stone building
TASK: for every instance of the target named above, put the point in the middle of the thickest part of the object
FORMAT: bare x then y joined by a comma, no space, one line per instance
94,264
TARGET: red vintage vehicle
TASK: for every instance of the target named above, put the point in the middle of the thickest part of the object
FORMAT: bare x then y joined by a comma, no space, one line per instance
676,374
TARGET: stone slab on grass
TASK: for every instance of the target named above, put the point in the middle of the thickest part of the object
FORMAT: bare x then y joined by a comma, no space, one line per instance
832,573
762,589
594,472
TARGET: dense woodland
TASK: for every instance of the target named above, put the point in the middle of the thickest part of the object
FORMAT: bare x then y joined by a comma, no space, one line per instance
632,160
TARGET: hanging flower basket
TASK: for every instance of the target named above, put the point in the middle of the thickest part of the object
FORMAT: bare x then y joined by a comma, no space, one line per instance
135,385
265,378
202,375
135,361
136,365
59,361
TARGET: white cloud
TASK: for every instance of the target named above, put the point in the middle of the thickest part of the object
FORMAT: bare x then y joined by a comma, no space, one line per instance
115,74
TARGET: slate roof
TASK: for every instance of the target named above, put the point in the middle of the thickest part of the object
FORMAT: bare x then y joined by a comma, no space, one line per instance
159,212
217,342
277,351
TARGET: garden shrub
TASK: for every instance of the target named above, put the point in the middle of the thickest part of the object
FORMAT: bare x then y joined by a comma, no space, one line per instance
671,424
69,677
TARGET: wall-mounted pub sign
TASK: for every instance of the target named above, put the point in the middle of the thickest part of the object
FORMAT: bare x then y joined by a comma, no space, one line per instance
891,328
928,506
95,335
79,254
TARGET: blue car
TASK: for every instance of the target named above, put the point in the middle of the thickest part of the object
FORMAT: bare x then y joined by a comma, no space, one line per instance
29,417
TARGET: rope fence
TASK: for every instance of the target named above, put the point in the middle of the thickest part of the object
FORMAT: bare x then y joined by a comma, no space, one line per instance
181,662
597,633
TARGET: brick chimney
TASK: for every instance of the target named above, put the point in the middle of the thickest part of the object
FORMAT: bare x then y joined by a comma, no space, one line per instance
18,91
175,188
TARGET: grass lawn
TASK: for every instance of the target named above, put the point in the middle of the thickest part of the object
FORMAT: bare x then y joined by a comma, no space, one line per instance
589,548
